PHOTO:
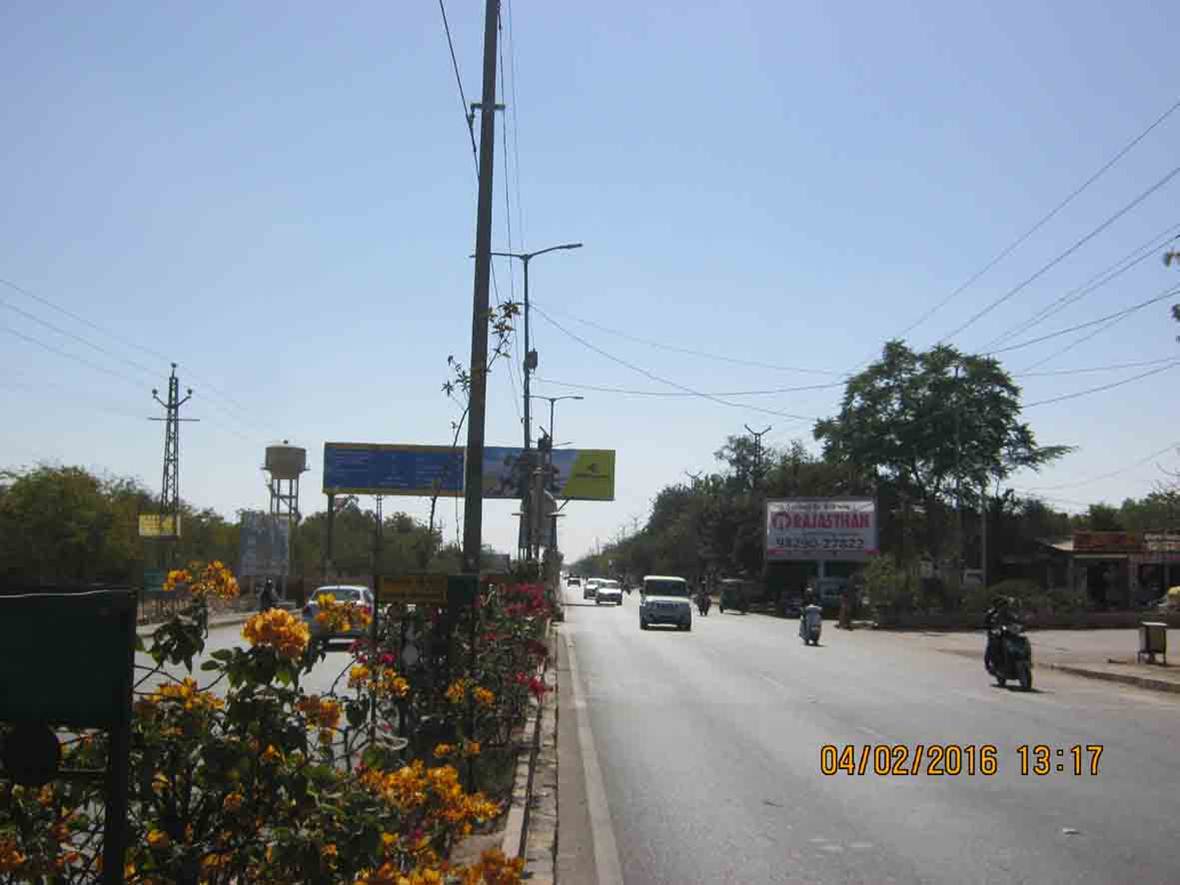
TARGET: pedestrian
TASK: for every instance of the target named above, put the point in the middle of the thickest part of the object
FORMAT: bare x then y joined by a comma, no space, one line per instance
846,609
268,599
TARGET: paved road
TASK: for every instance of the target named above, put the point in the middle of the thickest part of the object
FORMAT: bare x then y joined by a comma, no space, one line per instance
709,743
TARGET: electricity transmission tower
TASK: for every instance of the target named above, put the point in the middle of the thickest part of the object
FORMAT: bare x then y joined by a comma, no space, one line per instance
170,491
757,477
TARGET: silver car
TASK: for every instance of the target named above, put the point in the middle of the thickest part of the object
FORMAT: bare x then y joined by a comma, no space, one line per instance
664,599
608,591
356,593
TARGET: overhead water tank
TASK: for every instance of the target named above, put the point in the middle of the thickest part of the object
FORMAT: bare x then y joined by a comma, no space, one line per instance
285,461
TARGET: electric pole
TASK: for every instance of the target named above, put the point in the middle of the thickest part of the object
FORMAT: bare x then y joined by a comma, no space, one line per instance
477,396
959,559
757,478
170,487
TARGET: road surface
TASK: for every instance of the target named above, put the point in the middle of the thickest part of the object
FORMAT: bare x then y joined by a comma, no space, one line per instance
695,757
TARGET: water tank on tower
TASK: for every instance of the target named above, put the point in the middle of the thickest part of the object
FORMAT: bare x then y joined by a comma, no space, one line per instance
285,463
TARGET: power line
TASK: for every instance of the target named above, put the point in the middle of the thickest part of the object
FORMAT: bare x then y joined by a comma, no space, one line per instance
467,114
692,352
657,378
1080,371
1053,263
1132,259
670,393
1118,314
97,367
127,342
135,365
1004,253
88,403
1081,482
1057,399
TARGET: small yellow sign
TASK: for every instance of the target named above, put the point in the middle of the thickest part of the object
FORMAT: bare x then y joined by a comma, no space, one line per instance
416,589
156,525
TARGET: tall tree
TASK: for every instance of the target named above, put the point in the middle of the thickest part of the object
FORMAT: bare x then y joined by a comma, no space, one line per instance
934,424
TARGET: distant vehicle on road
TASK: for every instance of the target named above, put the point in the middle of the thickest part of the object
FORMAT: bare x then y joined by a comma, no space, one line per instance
736,594
355,593
664,599
590,589
608,591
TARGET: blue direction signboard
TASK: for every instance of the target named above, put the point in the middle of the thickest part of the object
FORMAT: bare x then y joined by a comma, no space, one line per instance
379,469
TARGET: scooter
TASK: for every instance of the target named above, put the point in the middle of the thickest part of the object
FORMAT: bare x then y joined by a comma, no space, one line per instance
1012,658
810,624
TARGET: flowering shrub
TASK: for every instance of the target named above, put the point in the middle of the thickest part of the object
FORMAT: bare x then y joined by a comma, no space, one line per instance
252,779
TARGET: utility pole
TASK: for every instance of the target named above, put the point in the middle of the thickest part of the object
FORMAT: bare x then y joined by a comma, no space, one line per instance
477,395
757,479
983,534
170,487
959,559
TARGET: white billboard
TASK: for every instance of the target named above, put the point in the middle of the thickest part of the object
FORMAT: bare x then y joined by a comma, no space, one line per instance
821,528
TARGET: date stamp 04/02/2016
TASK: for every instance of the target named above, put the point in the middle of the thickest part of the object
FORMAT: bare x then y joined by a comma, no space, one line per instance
955,760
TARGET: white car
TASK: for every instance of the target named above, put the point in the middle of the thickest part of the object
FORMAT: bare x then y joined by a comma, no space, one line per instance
608,591
590,588
354,593
664,599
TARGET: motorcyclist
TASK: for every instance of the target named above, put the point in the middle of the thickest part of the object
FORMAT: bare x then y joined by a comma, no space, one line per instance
268,599
999,615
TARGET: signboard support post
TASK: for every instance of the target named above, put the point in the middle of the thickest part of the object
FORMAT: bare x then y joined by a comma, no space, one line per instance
331,529
118,775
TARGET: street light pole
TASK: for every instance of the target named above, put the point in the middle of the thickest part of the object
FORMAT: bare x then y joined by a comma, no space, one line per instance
553,400
530,363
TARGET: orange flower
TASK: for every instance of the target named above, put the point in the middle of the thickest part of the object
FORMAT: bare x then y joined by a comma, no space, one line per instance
277,629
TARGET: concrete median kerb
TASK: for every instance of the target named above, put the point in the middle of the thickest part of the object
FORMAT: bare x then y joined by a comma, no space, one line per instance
531,827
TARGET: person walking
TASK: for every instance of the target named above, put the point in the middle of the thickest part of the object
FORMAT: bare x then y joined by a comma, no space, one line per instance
268,599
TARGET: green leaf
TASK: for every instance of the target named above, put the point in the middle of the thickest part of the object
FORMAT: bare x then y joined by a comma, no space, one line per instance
210,665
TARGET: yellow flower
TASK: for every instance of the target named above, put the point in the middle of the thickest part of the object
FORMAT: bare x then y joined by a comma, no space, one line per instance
277,629
456,690
175,578
232,802
358,676
158,839
326,736
392,684
271,754
443,750
484,697
471,748
320,712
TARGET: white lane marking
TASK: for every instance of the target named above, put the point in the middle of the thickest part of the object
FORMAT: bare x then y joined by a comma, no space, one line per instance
864,729
606,852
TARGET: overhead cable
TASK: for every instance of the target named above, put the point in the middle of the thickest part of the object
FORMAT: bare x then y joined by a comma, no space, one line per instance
1076,394
692,352
978,315
657,378
1137,256
1170,293
1005,252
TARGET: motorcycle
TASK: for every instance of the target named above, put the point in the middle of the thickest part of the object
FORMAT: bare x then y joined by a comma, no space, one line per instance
811,624
703,604
1011,657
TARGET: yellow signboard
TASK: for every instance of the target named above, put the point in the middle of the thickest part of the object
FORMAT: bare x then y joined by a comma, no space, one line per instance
591,477
155,525
416,589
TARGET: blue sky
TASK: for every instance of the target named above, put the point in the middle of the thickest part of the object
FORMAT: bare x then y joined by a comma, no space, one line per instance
282,199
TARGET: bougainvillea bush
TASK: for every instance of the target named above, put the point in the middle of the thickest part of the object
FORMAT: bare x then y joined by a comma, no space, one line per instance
248,777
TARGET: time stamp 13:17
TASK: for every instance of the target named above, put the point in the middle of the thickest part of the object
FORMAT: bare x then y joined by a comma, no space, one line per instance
955,760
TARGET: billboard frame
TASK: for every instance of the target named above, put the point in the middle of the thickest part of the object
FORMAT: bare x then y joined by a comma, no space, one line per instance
832,551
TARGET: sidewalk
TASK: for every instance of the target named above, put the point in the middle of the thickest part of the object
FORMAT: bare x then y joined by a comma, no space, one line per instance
1094,654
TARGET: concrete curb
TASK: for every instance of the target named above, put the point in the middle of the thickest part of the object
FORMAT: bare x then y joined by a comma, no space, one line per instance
531,829
1100,675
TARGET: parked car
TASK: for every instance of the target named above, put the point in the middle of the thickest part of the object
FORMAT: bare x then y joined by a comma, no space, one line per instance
608,591
590,589
357,593
664,599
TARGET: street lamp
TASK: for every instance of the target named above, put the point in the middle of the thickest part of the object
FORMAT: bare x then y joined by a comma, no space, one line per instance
553,400
530,357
